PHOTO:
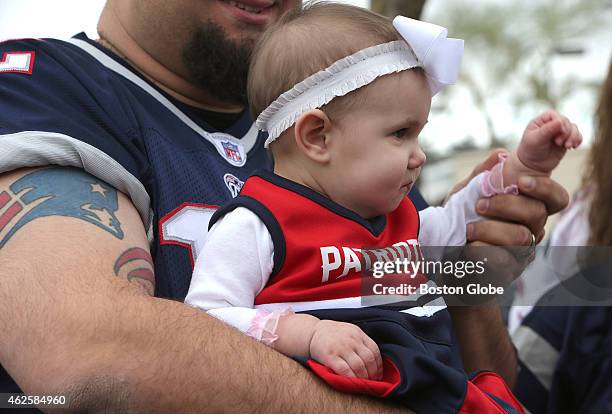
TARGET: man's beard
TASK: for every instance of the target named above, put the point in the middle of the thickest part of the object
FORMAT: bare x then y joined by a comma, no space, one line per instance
218,64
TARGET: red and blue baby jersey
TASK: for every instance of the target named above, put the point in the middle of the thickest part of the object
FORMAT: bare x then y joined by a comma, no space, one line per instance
321,249
322,253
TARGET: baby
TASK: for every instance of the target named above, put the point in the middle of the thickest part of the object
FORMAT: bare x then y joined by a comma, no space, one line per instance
344,95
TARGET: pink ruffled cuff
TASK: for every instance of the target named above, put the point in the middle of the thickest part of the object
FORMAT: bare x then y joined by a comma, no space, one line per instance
493,180
264,325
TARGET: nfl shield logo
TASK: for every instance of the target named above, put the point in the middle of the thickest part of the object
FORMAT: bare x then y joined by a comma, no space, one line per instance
229,148
232,151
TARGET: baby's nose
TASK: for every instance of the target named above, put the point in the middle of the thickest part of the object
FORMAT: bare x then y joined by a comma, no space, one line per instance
417,158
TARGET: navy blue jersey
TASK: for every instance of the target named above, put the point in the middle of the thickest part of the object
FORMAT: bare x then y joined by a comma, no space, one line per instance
74,103
79,105
565,352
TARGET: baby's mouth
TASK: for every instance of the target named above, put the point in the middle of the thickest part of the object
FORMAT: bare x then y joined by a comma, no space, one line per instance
408,185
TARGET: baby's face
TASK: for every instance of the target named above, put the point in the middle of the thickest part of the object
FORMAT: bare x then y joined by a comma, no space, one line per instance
376,157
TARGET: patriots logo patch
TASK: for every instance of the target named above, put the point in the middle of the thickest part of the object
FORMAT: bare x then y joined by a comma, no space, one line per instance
58,192
234,185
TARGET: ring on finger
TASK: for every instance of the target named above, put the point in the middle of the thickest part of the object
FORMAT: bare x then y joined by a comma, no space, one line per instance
524,253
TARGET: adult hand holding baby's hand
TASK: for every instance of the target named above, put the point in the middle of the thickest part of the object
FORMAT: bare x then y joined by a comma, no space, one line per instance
513,218
346,349
544,143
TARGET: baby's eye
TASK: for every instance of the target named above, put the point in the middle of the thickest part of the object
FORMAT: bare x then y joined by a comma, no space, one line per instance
401,133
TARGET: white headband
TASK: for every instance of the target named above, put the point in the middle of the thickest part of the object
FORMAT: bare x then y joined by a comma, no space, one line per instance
425,45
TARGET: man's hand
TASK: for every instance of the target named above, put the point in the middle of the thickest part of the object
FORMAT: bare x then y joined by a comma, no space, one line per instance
513,218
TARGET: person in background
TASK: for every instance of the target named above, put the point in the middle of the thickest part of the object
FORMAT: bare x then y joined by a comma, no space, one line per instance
565,352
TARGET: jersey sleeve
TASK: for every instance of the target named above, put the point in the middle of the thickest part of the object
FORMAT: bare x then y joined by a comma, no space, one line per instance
233,267
60,106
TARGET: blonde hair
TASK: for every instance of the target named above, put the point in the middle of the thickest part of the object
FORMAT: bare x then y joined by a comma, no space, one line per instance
307,40
599,173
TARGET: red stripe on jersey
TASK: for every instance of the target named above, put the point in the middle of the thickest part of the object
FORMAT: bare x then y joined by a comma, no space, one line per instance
478,400
378,388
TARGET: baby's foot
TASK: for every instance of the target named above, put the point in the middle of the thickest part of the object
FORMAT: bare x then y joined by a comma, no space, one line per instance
544,143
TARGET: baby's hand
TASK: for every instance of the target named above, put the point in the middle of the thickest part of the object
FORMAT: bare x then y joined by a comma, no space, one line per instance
346,349
545,141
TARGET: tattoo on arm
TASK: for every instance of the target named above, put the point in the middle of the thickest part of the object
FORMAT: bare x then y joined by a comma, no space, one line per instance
58,192
136,265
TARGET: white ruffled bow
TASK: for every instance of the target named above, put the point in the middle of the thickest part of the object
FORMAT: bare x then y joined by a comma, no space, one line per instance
426,45
439,56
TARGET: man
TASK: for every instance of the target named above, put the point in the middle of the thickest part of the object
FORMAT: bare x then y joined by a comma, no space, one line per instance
140,137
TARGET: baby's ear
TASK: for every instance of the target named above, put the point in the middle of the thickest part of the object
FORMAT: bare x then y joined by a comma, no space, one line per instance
310,130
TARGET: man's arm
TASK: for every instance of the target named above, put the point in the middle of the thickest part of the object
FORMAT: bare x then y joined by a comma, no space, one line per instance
482,335
77,317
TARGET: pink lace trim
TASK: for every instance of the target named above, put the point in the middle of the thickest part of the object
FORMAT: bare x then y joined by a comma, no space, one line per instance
264,324
493,180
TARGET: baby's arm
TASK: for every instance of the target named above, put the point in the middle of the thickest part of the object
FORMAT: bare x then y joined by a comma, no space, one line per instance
544,143
446,226
341,346
234,266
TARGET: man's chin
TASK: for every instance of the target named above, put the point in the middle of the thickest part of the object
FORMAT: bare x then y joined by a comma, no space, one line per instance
218,63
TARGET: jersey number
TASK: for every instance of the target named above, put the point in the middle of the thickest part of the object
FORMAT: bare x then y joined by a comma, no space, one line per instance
187,226
17,62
